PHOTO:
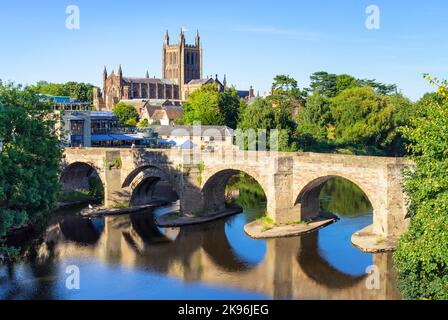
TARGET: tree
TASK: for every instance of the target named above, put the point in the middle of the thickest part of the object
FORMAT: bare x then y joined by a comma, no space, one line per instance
345,81
330,85
29,159
324,82
143,123
203,105
422,254
404,111
230,103
126,112
315,117
362,117
81,91
131,122
380,88
285,91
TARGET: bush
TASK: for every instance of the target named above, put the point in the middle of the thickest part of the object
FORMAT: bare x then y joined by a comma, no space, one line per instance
422,254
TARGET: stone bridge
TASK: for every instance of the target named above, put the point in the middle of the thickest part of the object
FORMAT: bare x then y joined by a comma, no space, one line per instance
291,181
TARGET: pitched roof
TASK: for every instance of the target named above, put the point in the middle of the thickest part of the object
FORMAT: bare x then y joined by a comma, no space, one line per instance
207,131
171,113
147,80
200,81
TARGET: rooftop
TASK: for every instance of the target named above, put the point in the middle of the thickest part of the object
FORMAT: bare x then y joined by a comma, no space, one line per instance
206,131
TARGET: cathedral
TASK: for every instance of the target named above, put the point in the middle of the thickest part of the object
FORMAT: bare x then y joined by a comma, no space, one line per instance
181,75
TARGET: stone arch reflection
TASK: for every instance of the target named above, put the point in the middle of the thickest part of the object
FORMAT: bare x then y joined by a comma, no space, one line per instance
316,267
220,250
81,230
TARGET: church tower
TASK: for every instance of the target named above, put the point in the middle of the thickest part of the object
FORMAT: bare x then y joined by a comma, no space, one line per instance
182,62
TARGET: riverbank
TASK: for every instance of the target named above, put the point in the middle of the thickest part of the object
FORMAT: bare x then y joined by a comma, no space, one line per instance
177,219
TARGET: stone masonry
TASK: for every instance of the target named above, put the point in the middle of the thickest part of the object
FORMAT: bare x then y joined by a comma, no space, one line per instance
291,181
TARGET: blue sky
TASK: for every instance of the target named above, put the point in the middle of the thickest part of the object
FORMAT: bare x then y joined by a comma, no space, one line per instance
249,41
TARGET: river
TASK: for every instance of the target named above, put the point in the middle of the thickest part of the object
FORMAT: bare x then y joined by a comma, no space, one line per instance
128,257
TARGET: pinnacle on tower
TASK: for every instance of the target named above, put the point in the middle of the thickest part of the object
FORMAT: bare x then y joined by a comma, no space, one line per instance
167,38
120,72
147,74
198,39
181,36
104,73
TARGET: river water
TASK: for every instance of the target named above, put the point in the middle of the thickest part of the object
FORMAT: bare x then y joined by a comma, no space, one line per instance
128,257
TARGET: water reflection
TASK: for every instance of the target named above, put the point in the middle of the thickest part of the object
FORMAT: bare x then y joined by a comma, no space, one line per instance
128,256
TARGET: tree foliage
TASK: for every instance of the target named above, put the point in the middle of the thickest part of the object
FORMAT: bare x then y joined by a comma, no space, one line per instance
30,158
126,113
209,106
76,90
422,254
330,85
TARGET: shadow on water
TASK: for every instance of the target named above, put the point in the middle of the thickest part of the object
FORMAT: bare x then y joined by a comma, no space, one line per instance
214,260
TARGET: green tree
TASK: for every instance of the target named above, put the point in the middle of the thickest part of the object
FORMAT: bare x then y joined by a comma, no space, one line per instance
29,159
422,254
203,105
315,117
380,88
404,111
362,117
131,123
143,123
324,82
230,104
126,112
76,90
345,81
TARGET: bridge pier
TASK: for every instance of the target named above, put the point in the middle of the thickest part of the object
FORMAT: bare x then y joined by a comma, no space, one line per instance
191,198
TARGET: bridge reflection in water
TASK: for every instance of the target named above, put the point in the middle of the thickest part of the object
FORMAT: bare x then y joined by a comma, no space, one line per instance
290,268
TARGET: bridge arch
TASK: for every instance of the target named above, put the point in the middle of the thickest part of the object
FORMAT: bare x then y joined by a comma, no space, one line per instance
214,187
78,176
317,268
148,183
308,199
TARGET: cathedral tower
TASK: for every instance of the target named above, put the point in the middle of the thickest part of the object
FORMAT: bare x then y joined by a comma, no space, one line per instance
182,62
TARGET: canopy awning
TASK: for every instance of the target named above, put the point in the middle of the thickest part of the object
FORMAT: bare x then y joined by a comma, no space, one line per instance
116,137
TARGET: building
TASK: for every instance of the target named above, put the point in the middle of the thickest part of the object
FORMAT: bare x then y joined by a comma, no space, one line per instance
209,138
181,75
166,116
97,129
65,102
